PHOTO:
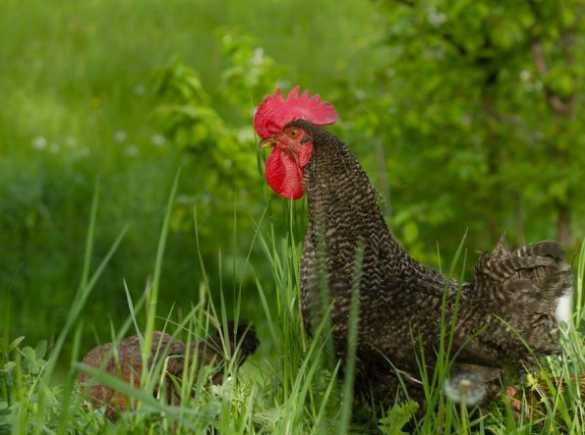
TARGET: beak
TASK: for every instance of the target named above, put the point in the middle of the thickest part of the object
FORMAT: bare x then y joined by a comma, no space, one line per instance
267,143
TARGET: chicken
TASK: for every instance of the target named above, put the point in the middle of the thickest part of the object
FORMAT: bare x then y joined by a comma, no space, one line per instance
517,297
126,364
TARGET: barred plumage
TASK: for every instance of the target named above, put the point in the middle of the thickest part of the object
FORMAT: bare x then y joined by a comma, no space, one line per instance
511,300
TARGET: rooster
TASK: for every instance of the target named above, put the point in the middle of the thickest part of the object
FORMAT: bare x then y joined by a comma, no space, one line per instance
512,309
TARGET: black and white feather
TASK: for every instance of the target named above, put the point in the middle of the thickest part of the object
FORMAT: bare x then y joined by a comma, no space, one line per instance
510,311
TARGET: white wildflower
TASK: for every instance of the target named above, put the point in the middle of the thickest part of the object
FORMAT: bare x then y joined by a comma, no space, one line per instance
158,140
466,388
245,134
435,17
120,136
258,56
132,151
39,142
360,94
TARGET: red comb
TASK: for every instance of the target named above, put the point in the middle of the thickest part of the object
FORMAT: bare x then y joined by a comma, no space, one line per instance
276,111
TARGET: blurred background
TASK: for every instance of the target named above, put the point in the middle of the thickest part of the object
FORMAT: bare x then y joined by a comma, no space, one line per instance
467,115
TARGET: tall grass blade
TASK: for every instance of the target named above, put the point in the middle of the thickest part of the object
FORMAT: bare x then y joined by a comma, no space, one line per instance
82,295
152,296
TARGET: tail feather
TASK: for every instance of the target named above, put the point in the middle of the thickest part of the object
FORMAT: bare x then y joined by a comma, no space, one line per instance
545,248
530,291
504,268
531,275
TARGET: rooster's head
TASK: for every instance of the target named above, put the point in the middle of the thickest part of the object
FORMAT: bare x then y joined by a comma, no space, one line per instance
292,147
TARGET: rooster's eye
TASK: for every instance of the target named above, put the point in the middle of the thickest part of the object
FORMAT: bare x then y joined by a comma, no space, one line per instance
293,133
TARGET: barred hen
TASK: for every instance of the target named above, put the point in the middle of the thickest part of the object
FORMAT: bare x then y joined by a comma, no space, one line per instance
125,362
516,298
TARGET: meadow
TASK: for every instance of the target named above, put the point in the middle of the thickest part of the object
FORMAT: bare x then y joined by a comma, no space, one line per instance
132,195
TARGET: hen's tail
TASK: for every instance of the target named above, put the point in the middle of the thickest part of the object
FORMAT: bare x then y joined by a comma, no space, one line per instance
530,289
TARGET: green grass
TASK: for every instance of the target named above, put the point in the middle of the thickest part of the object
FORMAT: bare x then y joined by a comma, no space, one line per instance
288,386
78,85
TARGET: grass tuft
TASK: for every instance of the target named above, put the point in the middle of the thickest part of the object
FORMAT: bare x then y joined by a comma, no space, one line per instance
288,386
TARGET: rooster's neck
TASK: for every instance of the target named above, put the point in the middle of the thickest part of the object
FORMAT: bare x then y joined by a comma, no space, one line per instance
343,205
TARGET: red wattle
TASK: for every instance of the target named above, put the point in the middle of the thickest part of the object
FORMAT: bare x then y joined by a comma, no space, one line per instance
283,175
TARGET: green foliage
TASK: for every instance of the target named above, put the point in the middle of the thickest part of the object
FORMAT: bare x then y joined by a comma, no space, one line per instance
398,416
482,99
191,121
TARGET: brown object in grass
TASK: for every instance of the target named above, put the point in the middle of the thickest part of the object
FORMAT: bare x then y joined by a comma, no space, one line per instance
168,354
